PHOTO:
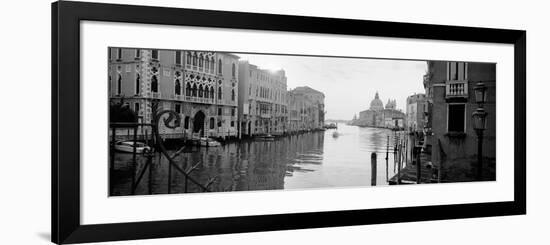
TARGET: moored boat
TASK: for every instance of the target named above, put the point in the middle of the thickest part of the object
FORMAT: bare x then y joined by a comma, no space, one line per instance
128,146
208,142
267,137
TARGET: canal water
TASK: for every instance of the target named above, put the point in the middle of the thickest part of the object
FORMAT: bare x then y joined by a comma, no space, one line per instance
309,160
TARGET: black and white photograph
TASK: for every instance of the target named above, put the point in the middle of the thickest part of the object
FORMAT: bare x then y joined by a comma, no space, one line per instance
193,121
284,122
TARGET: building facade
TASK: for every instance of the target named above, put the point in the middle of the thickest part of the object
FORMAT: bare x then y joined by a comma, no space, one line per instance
450,103
306,109
263,102
416,108
200,86
379,116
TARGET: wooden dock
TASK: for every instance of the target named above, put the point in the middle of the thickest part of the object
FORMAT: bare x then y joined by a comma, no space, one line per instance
408,175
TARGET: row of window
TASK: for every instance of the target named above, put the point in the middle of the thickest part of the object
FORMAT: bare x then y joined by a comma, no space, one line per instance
137,54
200,61
267,93
192,59
268,122
268,108
189,91
263,77
212,120
211,123
177,109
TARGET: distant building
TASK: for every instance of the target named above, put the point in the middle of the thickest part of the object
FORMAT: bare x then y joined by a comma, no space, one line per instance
263,100
450,103
306,109
416,108
379,116
200,86
301,112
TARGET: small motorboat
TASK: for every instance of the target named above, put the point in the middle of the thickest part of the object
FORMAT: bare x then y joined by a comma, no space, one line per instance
128,146
208,142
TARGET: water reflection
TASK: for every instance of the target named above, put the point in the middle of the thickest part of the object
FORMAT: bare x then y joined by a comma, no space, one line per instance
311,160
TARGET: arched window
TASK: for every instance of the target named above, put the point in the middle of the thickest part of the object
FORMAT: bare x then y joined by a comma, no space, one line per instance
119,84
219,66
138,83
194,59
200,60
200,91
212,123
154,84
219,93
212,65
206,64
212,92
187,89
188,59
195,90
177,87
233,94
206,92
233,72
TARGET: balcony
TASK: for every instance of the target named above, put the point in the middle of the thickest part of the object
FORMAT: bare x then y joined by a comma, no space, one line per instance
456,89
155,95
177,97
199,100
191,67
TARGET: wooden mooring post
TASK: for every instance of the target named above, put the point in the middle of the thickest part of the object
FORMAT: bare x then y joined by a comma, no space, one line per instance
150,157
387,152
406,138
112,160
394,151
134,162
418,165
150,183
169,177
399,163
373,169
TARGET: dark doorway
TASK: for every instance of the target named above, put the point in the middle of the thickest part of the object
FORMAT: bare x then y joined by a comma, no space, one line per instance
249,127
198,123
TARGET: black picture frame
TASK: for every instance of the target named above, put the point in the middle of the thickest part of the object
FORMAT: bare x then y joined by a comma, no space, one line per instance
66,18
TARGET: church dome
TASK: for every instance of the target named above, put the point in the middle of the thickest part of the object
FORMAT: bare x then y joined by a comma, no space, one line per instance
376,103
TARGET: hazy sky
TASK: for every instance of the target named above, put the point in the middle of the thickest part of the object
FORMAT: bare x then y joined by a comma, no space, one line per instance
349,84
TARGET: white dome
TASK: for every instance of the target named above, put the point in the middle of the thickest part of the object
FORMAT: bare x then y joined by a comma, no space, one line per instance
376,103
